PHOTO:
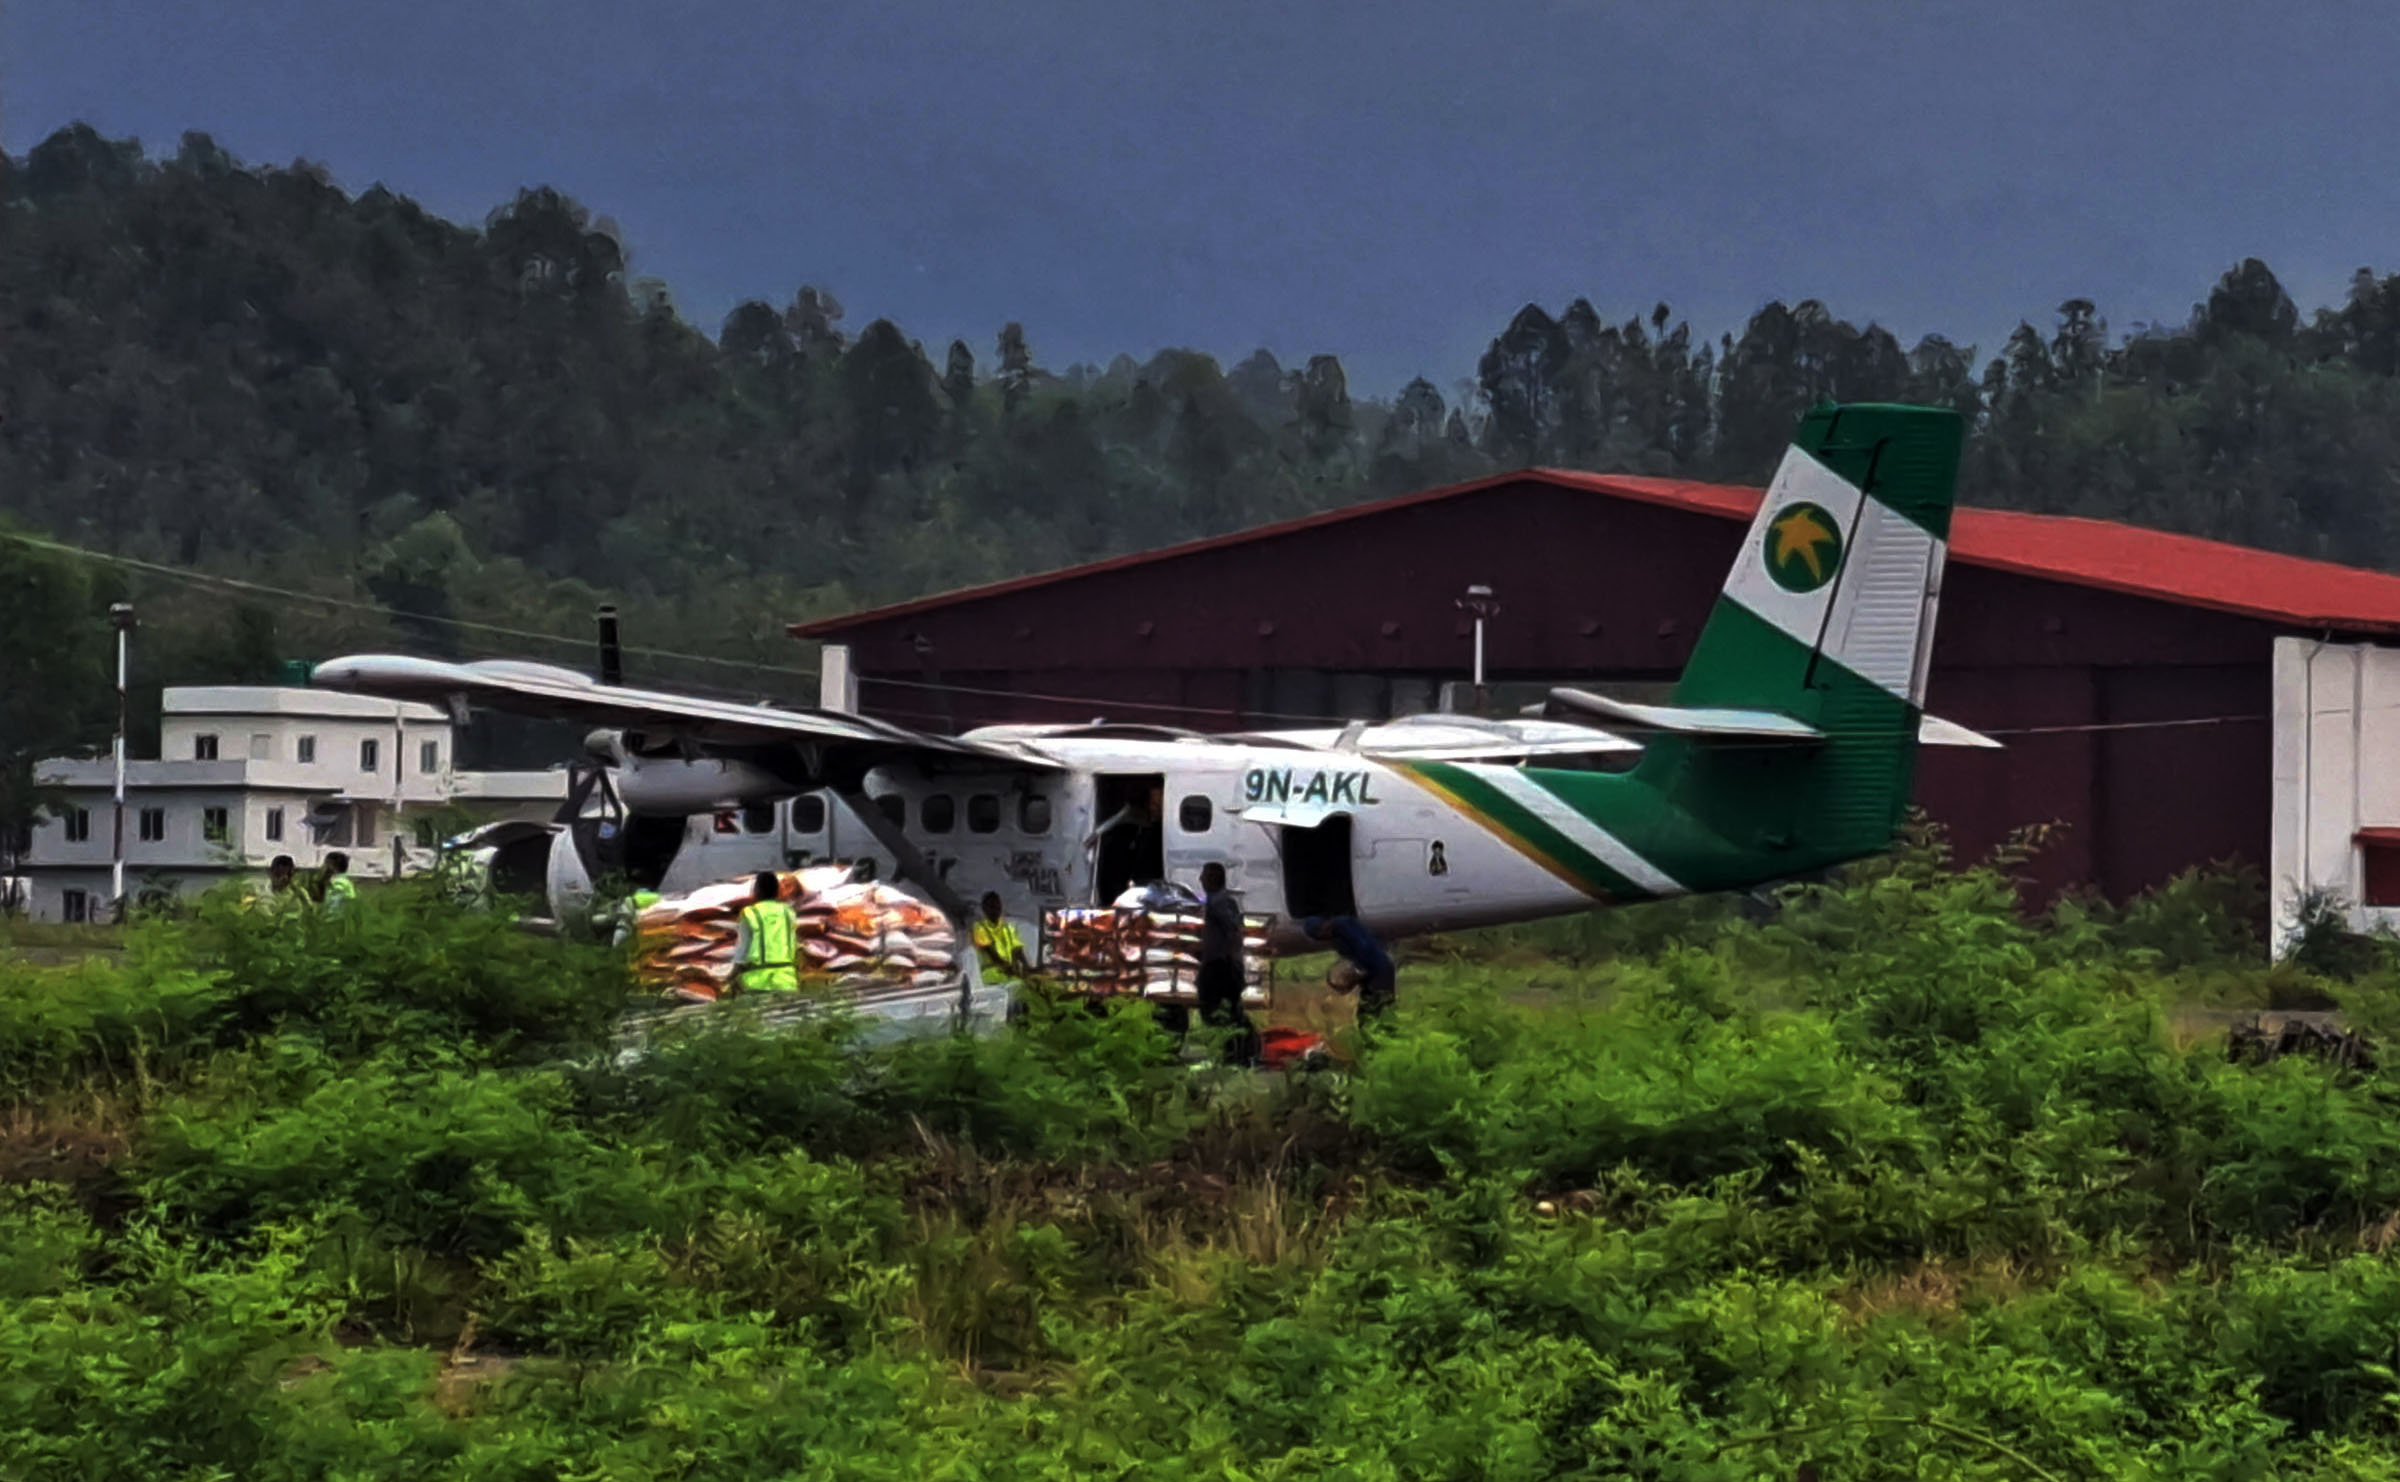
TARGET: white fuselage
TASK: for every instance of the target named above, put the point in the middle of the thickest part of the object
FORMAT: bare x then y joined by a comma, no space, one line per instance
1300,831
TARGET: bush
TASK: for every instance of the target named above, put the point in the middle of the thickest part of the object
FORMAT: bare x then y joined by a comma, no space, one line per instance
453,1160
1904,1181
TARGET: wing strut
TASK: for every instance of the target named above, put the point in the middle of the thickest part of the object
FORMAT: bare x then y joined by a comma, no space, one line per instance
913,865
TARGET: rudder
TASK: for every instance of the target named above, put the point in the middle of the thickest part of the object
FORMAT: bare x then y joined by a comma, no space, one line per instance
1827,617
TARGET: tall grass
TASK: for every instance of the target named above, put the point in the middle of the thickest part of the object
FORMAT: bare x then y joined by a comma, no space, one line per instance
1883,1176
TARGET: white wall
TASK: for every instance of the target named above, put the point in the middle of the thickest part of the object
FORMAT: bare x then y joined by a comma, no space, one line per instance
257,767
2337,770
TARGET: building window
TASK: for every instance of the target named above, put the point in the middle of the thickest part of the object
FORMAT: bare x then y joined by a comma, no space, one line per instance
204,748
305,750
262,747
429,761
75,905
370,754
215,826
758,818
938,814
366,827
1195,813
79,825
2379,880
983,814
1033,814
274,825
153,825
428,836
894,807
808,814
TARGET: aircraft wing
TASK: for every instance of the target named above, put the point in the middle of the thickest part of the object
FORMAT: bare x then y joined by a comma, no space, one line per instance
545,691
1756,725
1453,738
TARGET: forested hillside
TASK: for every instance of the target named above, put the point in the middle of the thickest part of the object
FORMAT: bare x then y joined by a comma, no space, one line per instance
253,372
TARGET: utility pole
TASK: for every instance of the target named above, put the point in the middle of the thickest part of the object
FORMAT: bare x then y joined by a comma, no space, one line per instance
612,654
121,615
399,788
1480,603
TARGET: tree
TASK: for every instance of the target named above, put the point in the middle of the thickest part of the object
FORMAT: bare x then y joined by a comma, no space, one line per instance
56,676
958,375
1016,367
1322,394
1518,376
2080,345
814,319
887,390
2248,301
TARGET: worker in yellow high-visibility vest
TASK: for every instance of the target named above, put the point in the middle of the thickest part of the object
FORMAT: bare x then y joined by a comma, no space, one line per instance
997,946
770,938
340,891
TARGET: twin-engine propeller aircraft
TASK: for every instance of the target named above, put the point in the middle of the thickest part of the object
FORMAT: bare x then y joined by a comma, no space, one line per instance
1788,747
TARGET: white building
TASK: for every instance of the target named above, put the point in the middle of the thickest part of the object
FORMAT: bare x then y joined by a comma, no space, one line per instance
249,773
2337,781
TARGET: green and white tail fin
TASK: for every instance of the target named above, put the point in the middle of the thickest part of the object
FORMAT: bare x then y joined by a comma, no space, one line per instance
1802,702
1842,567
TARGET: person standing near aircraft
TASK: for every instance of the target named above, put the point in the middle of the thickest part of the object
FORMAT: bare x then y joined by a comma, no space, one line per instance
284,892
996,942
769,940
1130,847
335,888
1378,978
1221,978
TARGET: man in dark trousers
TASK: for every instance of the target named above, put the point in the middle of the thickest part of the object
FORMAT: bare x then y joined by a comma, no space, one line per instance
1221,976
1378,978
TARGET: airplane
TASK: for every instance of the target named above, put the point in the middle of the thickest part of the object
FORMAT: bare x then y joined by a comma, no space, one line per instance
1787,747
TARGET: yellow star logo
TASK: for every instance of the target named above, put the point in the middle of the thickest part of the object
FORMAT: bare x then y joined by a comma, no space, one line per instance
1803,533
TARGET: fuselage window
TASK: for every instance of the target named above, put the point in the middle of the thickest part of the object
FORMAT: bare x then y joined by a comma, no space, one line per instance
894,807
808,814
758,818
938,813
1033,813
1195,813
983,813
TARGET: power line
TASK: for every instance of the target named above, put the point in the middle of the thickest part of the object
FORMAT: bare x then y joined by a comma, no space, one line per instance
262,589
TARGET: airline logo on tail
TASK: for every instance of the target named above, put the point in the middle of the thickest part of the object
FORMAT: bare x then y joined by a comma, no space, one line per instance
1803,548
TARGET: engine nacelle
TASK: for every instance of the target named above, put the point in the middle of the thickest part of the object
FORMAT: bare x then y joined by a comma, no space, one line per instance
674,786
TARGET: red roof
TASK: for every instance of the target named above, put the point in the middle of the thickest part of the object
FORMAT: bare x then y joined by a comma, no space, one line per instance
2182,569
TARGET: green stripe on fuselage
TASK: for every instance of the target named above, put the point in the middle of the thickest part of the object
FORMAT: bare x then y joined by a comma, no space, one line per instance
1728,812
1505,817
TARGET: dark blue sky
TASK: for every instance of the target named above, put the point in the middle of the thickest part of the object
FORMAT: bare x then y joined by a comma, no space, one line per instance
1387,182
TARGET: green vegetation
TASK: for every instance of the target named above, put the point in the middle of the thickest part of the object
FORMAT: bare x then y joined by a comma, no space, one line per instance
1889,1182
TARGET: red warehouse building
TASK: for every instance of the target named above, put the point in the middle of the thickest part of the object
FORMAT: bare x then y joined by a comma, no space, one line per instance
2128,672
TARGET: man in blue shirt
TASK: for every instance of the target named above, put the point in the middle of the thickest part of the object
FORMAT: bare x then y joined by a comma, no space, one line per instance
1378,985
